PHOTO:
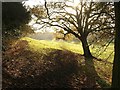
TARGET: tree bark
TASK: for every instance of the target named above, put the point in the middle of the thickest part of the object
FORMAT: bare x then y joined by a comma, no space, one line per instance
86,49
116,63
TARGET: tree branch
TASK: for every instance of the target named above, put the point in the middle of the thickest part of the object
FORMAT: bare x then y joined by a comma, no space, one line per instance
47,9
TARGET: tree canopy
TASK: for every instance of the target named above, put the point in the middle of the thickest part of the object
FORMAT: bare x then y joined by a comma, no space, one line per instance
80,20
14,17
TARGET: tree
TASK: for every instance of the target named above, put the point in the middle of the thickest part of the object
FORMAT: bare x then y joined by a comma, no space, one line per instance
85,18
14,16
116,63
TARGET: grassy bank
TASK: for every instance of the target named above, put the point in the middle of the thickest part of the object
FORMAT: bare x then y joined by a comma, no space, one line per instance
54,64
98,51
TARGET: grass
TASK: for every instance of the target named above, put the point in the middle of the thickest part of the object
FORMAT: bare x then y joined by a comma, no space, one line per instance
36,45
106,55
77,48
55,62
103,53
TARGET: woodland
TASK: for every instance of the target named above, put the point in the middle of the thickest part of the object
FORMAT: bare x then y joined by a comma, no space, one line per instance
84,52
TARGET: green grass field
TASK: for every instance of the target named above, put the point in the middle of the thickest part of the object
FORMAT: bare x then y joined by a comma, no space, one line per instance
103,69
36,45
106,55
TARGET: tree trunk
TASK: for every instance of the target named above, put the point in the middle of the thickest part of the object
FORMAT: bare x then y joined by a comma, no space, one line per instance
116,63
86,49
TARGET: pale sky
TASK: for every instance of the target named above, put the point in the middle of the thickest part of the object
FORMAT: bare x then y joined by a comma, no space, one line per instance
34,2
31,3
37,2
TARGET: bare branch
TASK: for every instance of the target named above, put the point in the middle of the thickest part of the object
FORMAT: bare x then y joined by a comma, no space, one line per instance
47,9
94,30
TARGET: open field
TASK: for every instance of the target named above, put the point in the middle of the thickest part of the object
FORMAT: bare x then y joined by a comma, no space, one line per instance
35,45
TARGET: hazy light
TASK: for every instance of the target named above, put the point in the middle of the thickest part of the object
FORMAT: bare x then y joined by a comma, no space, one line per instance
32,3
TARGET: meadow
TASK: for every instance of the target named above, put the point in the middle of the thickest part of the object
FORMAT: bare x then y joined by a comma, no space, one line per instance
97,50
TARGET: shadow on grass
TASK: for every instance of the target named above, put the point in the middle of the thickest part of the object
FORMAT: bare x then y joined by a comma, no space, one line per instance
51,69
93,80
33,70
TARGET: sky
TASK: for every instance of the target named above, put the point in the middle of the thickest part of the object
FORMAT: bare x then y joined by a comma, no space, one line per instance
37,2
31,3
